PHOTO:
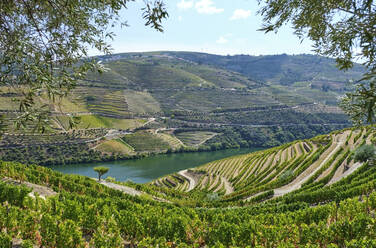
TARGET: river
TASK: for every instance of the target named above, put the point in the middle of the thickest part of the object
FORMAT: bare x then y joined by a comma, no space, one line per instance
147,169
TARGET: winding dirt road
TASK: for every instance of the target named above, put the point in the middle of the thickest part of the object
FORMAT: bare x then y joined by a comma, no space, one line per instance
228,186
124,189
129,190
192,181
310,171
42,191
353,168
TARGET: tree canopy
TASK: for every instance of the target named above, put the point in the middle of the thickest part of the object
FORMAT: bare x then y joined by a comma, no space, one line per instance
101,171
364,153
44,46
342,29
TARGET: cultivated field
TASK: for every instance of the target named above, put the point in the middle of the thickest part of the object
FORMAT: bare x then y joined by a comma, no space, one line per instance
311,164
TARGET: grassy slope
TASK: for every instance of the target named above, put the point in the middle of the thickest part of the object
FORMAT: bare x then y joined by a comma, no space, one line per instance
115,146
194,138
173,141
95,121
141,102
145,141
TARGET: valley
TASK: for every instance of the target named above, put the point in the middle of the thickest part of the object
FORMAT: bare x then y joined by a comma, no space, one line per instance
104,145
163,102
197,156
303,193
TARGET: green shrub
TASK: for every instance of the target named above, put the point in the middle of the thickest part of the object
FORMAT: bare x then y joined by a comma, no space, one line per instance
27,244
5,240
364,153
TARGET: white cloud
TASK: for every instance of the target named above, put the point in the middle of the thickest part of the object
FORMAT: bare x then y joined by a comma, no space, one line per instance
180,18
207,7
184,5
221,40
240,14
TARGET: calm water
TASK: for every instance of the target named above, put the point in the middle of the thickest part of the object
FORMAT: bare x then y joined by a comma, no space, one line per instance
146,169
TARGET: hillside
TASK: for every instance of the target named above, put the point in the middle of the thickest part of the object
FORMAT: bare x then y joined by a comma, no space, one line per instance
312,165
296,195
280,69
184,102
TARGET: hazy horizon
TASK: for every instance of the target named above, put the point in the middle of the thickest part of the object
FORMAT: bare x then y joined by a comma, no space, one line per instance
183,51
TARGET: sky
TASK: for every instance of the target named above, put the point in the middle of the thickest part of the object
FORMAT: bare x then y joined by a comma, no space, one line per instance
211,26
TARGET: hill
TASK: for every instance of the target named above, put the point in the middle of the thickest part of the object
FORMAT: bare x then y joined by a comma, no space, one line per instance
313,165
280,69
185,101
296,195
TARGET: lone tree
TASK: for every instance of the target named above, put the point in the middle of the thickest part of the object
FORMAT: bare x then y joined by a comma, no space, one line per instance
343,29
44,47
101,170
365,153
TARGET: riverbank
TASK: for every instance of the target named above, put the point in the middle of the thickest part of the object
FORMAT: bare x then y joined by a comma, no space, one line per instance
97,157
146,169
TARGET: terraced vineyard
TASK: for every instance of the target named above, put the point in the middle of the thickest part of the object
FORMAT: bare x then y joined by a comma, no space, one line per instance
205,102
104,102
115,146
145,141
312,164
72,137
195,138
174,142
308,193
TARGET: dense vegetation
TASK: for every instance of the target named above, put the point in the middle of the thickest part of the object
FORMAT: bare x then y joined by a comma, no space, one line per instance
323,212
238,136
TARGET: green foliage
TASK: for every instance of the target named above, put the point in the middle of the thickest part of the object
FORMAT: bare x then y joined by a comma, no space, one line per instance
340,29
54,154
101,171
85,213
110,179
44,52
145,141
213,197
361,104
365,153
5,240
285,175
13,194
318,21
262,197
27,244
